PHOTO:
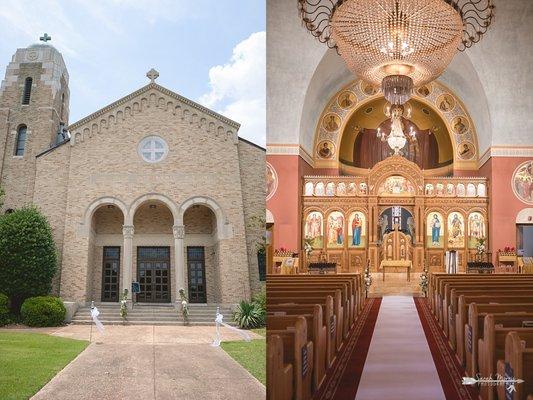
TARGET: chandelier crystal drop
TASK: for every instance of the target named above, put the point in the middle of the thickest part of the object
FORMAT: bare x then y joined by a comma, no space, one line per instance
385,42
397,89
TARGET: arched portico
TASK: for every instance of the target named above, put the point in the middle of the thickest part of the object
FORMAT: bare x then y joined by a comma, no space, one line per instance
200,226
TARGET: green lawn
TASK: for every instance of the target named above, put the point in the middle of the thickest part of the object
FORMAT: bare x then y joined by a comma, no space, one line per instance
251,355
30,360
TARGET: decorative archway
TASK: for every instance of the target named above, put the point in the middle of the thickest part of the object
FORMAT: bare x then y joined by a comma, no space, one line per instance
224,229
357,94
152,197
101,202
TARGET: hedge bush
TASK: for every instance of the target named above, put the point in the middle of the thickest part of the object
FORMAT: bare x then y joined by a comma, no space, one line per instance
43,311
28,259
4,310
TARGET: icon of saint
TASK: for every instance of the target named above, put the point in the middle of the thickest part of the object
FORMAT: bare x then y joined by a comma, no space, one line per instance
325,151
331,123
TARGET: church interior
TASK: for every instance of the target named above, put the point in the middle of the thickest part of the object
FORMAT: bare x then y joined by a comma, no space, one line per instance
399,185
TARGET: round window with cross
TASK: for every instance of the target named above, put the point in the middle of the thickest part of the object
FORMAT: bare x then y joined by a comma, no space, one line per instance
153,149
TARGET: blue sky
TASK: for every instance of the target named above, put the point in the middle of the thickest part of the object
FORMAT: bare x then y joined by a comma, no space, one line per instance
211,51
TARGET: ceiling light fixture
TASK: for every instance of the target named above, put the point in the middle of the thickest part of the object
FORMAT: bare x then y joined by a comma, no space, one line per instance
397,44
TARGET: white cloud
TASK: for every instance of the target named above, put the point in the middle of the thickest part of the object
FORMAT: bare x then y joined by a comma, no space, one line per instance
238,88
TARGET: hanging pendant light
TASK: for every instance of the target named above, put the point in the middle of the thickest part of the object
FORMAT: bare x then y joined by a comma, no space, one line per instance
397,44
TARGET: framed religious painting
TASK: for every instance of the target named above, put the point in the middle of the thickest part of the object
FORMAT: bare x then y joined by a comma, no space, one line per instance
335,230
357,230
476,229
435,230
314,229
456,230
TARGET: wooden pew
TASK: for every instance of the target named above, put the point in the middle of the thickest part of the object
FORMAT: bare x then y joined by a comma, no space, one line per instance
489,289
519,362
355,281
277,289
345,286
296,351
461,318
507,295
439,283
328,310
316,333
491,347
313,297
443,283
506,315
279,374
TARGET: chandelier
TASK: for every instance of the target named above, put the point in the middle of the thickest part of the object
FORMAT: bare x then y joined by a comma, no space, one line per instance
397,44
396,139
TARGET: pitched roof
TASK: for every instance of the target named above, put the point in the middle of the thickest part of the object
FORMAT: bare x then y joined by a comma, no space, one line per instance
163,90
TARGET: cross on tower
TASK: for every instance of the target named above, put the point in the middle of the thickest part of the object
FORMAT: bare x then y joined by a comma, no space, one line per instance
45,38
152,75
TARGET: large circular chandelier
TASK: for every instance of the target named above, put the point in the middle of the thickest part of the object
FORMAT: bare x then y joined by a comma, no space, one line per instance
397,44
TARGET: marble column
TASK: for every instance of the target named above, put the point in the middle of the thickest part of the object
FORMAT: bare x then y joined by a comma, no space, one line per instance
127,232
179,259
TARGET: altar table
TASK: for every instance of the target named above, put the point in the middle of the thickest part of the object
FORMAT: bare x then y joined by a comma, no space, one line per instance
407,264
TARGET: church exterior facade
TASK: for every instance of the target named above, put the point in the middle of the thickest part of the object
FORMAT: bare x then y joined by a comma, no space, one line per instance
152,188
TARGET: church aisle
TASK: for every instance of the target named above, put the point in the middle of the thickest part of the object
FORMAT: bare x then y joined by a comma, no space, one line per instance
399,364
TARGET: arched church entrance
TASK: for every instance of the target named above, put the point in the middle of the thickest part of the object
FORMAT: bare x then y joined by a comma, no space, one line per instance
201,253
153,252
105,253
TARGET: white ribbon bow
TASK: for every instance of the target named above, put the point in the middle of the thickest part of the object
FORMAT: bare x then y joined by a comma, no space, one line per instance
94,315
219,321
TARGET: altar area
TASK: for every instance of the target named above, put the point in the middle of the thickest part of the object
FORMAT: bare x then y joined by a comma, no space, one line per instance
394,212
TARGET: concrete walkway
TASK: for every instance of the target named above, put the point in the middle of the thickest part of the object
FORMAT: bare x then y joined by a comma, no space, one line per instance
150,362
399,364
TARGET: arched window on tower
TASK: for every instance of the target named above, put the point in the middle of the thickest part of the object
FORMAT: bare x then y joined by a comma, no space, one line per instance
21,140
27,91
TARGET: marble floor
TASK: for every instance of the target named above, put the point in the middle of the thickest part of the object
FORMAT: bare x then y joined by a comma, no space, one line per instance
399,364
395,283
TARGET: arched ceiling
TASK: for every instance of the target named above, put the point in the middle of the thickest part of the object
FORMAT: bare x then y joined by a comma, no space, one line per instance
492,78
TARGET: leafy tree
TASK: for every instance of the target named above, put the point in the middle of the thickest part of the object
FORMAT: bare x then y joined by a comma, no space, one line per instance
28,259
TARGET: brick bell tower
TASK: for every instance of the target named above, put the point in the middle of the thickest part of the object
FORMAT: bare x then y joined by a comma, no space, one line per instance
34,108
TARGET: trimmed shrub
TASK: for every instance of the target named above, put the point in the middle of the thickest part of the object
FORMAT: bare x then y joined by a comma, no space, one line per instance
4,310
28,259
43,311
248,315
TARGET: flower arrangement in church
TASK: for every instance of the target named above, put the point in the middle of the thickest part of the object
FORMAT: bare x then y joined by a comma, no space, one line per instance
424,280
507,251
308,245
367,277
184,305
124,305
480,246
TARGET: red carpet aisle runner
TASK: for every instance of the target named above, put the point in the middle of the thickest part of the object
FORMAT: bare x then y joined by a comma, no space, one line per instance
450,371
343,379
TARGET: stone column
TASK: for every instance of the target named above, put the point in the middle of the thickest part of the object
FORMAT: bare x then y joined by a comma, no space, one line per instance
179,259
127,232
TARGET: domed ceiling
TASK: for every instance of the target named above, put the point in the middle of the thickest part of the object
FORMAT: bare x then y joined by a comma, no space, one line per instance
371,115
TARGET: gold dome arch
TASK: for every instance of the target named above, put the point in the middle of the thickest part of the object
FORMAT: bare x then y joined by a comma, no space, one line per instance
359,95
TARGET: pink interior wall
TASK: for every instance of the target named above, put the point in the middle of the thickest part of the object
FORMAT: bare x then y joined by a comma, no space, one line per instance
286,202
504,205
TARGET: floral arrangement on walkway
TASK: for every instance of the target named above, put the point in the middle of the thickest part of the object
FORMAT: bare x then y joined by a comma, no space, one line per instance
424,280
367,278
124,305
184,305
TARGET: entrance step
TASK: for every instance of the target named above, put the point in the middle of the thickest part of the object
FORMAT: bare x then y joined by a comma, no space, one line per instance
155,314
